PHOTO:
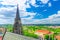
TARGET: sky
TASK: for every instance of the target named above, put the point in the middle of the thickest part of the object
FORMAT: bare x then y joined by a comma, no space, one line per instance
31,11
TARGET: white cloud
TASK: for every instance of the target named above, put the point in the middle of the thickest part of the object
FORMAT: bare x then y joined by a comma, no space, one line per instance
49,4
24,14
9,2
55,15
6,10
32,2
1,16
4,18
53,19
58,12
21,3
44,1
6,21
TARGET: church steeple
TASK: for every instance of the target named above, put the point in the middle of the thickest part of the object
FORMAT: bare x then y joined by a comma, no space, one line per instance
17,13
17,24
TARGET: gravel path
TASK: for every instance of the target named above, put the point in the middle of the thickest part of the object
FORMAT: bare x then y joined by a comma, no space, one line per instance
12,36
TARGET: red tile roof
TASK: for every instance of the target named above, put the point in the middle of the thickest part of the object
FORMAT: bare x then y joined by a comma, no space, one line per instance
43,32
57,37
1,37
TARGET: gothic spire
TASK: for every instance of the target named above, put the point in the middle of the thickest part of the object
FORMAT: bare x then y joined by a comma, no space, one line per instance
17,24
17,13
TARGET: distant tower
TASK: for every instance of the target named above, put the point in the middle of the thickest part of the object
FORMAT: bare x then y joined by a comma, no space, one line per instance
17,28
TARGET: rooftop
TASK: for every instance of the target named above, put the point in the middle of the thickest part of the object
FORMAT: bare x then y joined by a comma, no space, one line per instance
43,32
57,37
12,36
1,37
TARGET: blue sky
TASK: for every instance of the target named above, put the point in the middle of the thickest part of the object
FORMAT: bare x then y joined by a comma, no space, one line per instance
31,11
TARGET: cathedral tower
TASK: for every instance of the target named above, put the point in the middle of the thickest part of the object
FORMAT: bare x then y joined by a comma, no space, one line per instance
17,28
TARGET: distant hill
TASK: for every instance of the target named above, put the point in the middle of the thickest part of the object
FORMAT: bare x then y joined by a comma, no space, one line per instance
43,24
6,25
